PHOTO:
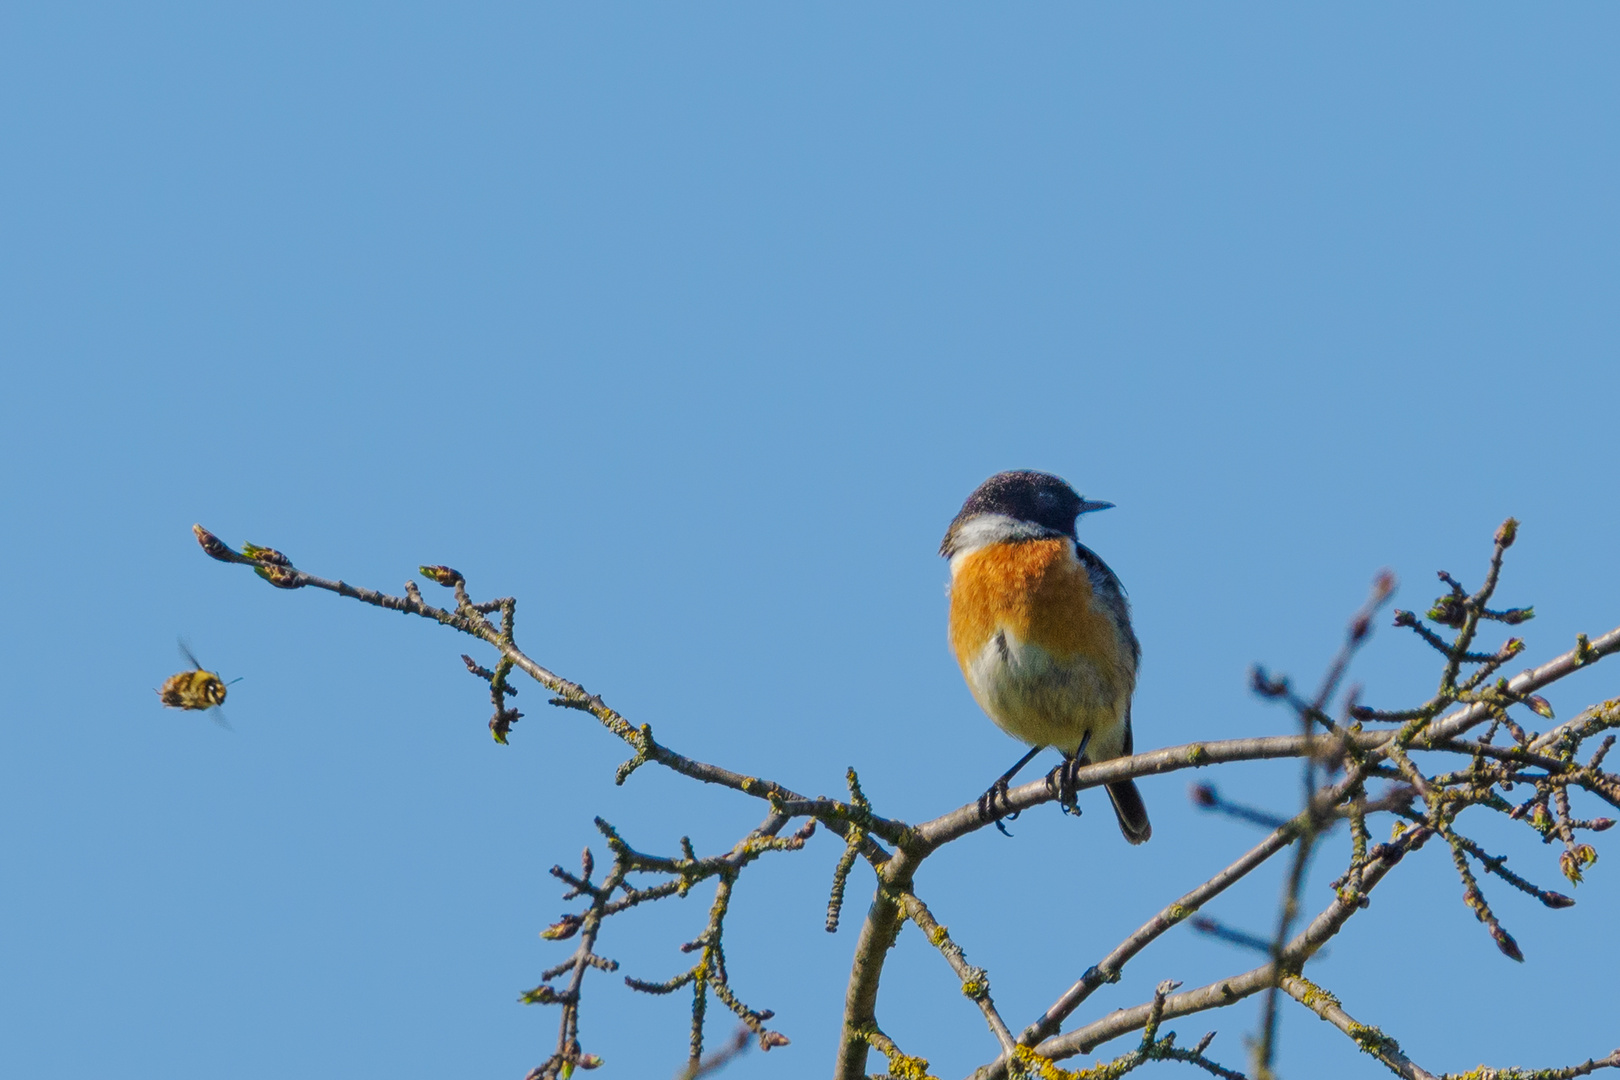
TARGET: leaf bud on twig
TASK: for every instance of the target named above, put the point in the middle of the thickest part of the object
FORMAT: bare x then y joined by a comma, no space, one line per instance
1576,859
540,995
1540,706
1264,685
500,725
280,576
1505,942
214,547
1383,585
444,575
264,554
565,927
1447,611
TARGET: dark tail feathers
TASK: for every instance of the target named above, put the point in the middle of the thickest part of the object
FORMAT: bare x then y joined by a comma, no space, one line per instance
1133,819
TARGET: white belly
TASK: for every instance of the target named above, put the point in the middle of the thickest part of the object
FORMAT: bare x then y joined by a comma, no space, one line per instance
1042,700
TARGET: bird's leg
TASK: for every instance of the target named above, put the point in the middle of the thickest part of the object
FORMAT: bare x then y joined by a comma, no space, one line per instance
987,801
1060,781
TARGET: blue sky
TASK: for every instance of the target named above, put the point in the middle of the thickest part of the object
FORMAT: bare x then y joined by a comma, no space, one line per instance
692,328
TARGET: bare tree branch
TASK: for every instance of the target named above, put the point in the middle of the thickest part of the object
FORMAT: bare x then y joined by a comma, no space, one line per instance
1340,758
1226,991
1369,1039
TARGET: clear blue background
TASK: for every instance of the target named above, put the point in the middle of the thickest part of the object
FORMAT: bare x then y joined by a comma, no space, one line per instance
692,328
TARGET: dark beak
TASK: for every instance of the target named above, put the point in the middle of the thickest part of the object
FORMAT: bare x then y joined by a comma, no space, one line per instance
1087,507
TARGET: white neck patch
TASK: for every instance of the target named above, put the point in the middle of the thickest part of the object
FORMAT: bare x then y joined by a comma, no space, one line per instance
982,530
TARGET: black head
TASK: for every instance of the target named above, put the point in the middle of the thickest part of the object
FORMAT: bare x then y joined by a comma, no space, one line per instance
1036,499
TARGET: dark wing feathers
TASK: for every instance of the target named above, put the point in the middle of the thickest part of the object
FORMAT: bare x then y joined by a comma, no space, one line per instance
1108,589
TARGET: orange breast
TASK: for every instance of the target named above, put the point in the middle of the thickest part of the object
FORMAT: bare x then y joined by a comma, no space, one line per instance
1035,590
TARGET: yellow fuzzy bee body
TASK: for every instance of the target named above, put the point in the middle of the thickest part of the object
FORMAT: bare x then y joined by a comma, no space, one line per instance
194,689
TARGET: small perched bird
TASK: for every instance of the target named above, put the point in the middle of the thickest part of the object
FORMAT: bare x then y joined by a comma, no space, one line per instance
1042,630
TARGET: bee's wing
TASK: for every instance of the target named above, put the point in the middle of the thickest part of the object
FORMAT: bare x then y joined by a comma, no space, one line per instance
185,652
217,715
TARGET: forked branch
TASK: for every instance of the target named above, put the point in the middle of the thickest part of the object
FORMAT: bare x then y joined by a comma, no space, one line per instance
1343,758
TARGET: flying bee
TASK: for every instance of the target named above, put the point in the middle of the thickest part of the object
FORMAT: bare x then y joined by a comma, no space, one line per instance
195,689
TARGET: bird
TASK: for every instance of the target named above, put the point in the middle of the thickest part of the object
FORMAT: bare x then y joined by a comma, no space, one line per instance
1042,630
